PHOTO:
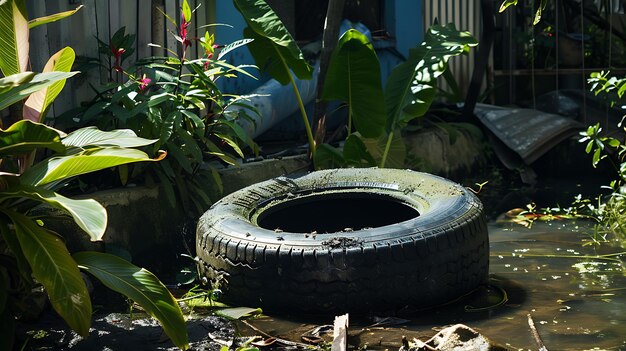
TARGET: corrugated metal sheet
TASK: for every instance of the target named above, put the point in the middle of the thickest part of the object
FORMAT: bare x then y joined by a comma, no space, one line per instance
529,133
466,15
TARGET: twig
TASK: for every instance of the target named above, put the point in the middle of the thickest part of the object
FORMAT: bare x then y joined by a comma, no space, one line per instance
535,333
279,340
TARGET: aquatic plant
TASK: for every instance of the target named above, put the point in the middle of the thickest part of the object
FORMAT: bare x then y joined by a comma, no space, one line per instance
610,211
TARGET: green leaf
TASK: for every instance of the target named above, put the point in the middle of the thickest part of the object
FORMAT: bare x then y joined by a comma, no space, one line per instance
356,153
186,11
15,80
190,146
37,104
539,12
231,143
52,18
14,246
25,136
219,153
613,142
55,269
236,313
38,82
91,160
596,157
92,136
232,46
354,77
14,44
396,152
327,157
87,213
273,48
238,68
142,287
167,128
179,155
408,90
198,124
507,3
422,97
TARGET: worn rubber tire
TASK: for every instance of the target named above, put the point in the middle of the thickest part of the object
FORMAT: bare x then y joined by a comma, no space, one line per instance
433,258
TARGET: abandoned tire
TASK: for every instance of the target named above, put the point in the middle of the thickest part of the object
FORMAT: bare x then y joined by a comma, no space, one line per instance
346,240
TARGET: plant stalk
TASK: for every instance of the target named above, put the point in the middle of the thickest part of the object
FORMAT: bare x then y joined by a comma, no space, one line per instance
349,121
305,118
386,152
330,37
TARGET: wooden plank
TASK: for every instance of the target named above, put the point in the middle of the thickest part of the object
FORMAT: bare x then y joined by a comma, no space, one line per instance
171,8
158,28
114,25
59,36
144,30
103,32
84,29
340,333
200,16
39,50
127,15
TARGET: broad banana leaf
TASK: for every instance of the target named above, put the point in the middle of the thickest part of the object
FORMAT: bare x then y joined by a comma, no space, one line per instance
52,18
410,88
273,48
14,42
92,136
15,80
395,155
37,105
90,160
141,286
12,94
87,213
55,269
25,136
356,154
354,77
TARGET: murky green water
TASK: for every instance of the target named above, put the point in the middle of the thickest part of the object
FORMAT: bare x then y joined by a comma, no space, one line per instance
576,295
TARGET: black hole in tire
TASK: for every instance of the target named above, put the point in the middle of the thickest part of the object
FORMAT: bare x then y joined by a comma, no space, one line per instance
334,212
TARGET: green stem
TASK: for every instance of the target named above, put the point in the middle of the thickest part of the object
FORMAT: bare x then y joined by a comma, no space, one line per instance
349,120
305,118
386,152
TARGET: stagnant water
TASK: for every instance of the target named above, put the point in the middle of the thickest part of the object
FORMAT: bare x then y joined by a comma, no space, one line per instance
575,293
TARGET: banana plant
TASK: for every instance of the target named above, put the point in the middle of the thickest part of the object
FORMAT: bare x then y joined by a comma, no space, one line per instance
408,94
31,253
29,249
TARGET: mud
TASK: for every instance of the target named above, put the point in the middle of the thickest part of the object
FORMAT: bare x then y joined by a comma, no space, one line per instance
117,332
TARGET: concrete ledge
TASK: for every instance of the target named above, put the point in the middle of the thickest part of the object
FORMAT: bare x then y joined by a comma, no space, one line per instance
143,226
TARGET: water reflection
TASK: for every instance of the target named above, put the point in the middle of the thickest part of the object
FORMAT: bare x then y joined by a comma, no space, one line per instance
576,295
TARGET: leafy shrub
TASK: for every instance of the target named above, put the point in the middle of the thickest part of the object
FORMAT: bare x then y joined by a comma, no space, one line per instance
176,101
